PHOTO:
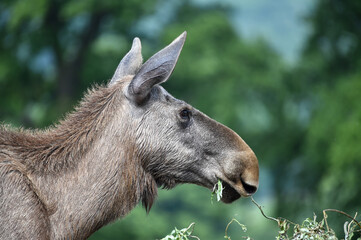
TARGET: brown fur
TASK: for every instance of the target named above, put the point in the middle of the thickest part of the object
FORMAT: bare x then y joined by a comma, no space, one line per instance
39,160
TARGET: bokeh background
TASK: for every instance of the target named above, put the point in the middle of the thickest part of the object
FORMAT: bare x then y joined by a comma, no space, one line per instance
285,75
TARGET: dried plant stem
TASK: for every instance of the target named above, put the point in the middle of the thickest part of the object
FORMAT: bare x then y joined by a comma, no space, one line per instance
341,212
260,208
271,218
233,220
192,226
350,224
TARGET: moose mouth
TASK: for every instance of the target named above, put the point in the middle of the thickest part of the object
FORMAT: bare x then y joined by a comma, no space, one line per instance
232,191
229,194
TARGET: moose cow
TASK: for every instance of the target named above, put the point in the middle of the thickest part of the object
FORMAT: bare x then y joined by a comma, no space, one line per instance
123,141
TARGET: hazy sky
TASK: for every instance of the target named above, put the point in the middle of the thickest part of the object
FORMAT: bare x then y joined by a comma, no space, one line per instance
280,22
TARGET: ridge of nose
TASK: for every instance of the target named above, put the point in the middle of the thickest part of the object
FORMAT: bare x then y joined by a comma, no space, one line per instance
250,174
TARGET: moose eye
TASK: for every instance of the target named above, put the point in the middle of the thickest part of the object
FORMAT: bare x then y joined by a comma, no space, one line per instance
185,114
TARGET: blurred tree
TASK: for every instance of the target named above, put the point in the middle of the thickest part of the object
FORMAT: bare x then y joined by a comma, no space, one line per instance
324,90
332,143
51,47
336,36
340,141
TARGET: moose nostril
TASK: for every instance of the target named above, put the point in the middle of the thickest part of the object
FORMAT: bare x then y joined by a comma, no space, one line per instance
250,189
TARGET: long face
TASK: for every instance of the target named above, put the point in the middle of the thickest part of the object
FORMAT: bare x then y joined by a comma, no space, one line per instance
180,144
176,142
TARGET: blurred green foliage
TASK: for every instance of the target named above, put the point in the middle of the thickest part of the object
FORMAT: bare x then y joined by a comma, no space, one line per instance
302,120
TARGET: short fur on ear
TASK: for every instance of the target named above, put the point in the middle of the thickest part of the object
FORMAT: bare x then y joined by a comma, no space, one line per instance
156,70
130,64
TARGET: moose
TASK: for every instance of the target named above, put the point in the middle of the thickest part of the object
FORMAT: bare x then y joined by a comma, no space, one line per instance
124,140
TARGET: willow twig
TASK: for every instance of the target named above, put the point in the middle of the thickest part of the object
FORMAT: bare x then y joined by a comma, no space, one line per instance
341,212
260,208
240,224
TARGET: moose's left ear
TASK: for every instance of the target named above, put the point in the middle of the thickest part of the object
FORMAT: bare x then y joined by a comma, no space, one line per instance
156,70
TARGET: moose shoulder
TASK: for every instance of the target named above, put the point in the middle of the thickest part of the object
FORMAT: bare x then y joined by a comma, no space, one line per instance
121,142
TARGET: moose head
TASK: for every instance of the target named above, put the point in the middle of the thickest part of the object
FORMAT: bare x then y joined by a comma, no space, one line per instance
176,142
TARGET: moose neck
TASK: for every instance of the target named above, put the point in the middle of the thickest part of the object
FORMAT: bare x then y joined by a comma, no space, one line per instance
89,173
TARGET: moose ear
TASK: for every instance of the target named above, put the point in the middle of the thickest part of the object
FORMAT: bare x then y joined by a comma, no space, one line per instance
156,70
130,63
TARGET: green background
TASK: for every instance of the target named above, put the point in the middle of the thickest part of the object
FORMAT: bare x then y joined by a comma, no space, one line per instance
285,75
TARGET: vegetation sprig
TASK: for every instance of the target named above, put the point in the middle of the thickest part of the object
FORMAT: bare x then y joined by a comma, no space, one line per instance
182,234
217,190
309,229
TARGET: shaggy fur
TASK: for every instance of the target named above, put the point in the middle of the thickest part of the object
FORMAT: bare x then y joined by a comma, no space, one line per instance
71,178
